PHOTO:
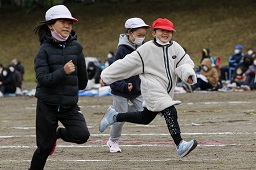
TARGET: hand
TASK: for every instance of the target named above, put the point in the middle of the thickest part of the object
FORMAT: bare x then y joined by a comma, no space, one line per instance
102,83
69,67
190,80
129,87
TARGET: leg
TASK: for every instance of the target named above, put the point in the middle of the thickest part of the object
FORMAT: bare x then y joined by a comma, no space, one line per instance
46,124
171,118
120,104
75,130
140,117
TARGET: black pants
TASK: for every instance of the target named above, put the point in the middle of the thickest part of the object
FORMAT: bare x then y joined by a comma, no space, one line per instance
146,116
47,118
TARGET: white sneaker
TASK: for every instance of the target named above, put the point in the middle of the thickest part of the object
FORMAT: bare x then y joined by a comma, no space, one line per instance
113,146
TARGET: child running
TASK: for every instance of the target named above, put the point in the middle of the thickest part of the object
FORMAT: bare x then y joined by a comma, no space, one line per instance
128,89
158,63
60,72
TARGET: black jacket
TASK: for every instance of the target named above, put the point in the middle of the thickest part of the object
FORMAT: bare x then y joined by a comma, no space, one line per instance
54,87
120,88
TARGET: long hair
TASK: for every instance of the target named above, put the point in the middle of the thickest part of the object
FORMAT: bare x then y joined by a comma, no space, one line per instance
42,29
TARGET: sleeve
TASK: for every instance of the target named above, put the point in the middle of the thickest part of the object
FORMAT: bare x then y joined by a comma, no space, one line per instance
130,65
43,75
81,72
184,66
120,85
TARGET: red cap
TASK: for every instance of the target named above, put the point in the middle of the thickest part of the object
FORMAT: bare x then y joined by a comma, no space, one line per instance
164,24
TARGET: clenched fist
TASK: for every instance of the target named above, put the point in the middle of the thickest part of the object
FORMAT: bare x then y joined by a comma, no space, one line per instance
69,67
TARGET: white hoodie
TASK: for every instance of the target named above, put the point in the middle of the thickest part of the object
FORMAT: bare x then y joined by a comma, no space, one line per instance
158,67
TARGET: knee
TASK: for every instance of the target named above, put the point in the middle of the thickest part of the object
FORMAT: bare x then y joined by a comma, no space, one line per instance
83,138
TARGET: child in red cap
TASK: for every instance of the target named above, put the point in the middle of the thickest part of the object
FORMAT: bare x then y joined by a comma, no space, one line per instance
158,63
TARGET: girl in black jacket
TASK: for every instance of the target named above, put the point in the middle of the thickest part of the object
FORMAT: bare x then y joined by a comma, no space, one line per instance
60,73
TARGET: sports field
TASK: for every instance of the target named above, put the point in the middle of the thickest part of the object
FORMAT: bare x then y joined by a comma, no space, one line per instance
223,123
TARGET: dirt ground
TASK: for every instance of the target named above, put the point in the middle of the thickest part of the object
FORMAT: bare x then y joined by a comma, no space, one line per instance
223,123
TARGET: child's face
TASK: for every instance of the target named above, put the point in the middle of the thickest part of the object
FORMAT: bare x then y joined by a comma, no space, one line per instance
62,26
163,35
138,33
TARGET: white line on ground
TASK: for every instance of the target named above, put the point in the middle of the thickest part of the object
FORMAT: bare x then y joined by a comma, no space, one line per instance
147,134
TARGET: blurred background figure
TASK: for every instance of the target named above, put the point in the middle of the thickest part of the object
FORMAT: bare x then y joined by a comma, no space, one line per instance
7,82
110,58
226,71
94,72
18,66
208,77
250,82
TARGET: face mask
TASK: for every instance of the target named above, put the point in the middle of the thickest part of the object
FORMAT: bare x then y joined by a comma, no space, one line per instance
161,43
57,36
254,62
109,55
236,51
11,69
249,52
4,73
138,41
238,71
205,68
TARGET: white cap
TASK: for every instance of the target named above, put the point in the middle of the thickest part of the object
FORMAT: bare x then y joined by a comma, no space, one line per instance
135,23
57,12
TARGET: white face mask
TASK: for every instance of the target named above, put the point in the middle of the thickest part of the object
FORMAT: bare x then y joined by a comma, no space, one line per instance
238,71
11,69
205,68
4,73
236,51
138,41
249,52
254,62
161,43
57,36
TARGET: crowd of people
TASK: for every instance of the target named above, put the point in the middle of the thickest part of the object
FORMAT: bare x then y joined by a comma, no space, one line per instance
11,78
238,75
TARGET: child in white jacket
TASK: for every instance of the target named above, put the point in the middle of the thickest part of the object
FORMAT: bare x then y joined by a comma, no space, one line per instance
158,63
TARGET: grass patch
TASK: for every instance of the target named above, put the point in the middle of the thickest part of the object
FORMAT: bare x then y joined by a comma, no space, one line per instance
218,25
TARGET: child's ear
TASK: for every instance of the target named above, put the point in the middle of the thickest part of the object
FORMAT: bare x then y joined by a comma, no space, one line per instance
153,33
50,27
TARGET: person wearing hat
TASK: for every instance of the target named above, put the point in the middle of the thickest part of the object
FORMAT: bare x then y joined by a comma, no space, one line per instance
158,63
226,71
127,90
60,72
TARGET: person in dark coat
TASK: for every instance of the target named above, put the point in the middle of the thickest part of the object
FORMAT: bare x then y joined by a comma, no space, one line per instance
60,73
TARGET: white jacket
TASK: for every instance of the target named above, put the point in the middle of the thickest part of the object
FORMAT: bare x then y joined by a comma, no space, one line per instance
158,67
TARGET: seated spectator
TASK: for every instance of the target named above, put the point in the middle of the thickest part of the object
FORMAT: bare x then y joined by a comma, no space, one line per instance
250,82
7,82
208,77
18,66
18,79
239,76
233,61
93,72
110,59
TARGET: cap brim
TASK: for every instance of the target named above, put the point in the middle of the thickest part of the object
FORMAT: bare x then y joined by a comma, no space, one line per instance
166,28
65,17
140,26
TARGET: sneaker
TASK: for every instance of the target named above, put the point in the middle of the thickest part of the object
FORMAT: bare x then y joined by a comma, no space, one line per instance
113,146
187,87
54,147
185,148
108,119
